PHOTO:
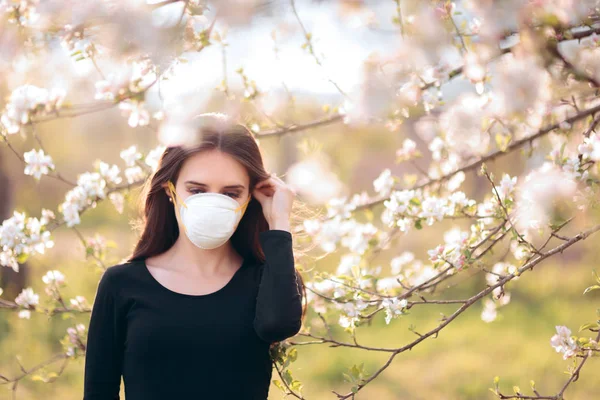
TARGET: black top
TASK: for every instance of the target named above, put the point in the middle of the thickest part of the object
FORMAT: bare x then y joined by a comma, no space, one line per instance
170,345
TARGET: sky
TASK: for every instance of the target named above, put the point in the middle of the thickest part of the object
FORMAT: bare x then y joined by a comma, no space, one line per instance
340,44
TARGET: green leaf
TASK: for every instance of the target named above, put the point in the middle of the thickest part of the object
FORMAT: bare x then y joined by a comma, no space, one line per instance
280,385
595,287
296,386
415,201
516,389
287,376
21,258
588,326
293,354
67,315
347,377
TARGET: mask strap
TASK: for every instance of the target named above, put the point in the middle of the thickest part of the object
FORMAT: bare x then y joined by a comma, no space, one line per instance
243,206
176,201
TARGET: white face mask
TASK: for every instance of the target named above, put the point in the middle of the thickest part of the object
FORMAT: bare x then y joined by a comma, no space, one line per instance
209,219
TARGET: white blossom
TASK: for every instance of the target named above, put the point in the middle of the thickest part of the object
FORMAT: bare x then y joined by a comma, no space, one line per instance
590,148
27,298
21,236
433,209
351,312
407,151
563,342
506,188
499,270
53,277
347,264
463,123
27,101
38,163
75,335
131,78
110,173
393,307
500,296
384,182
387,284
403,259
79,302
358,239
538,194
118,200
137,114
47,216
522,85
153,157
489,313
131,155
91,186
134,174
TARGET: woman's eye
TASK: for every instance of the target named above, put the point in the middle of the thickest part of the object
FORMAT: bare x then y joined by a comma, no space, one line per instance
230,194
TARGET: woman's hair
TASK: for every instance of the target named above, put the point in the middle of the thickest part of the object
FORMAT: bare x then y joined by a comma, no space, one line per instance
159,224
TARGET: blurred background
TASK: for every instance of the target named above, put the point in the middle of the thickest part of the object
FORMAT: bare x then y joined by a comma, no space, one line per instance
325,162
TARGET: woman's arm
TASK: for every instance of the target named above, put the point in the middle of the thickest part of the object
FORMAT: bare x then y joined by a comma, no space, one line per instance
105,341
279,299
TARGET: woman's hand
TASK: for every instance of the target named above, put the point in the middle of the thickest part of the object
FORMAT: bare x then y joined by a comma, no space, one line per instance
276,198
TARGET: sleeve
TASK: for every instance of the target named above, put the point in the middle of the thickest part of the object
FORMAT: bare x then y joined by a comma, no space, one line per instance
105,342
279,300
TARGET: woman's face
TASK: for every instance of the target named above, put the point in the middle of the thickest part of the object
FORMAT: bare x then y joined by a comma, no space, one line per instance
213,171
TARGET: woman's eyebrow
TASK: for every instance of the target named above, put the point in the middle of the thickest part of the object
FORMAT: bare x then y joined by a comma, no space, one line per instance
242,187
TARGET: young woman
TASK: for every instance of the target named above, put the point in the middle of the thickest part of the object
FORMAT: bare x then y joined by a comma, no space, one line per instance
193,315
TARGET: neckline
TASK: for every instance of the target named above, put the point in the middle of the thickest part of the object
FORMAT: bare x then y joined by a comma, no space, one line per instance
206,295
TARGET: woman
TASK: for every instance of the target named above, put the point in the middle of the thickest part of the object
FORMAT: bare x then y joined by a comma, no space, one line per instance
193,315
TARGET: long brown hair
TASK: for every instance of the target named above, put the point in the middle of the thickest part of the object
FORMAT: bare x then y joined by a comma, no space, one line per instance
159,225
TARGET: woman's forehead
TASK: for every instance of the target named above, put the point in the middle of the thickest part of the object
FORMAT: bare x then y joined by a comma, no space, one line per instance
214,168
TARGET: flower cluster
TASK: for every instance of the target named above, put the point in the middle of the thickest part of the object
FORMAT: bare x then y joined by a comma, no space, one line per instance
73,342
90,188
29,101
590,148
38,163
27,299
330,233
563,342
94,186
499,296
407,208
21,236
127,87
54,280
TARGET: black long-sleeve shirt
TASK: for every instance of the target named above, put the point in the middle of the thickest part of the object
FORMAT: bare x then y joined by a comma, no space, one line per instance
170,345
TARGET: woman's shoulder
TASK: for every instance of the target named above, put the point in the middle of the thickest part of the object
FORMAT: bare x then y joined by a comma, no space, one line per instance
122,273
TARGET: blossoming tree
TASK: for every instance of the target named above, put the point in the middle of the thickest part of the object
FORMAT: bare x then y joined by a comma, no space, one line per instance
466,83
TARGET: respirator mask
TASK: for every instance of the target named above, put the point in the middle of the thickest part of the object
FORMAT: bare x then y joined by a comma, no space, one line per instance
209,219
